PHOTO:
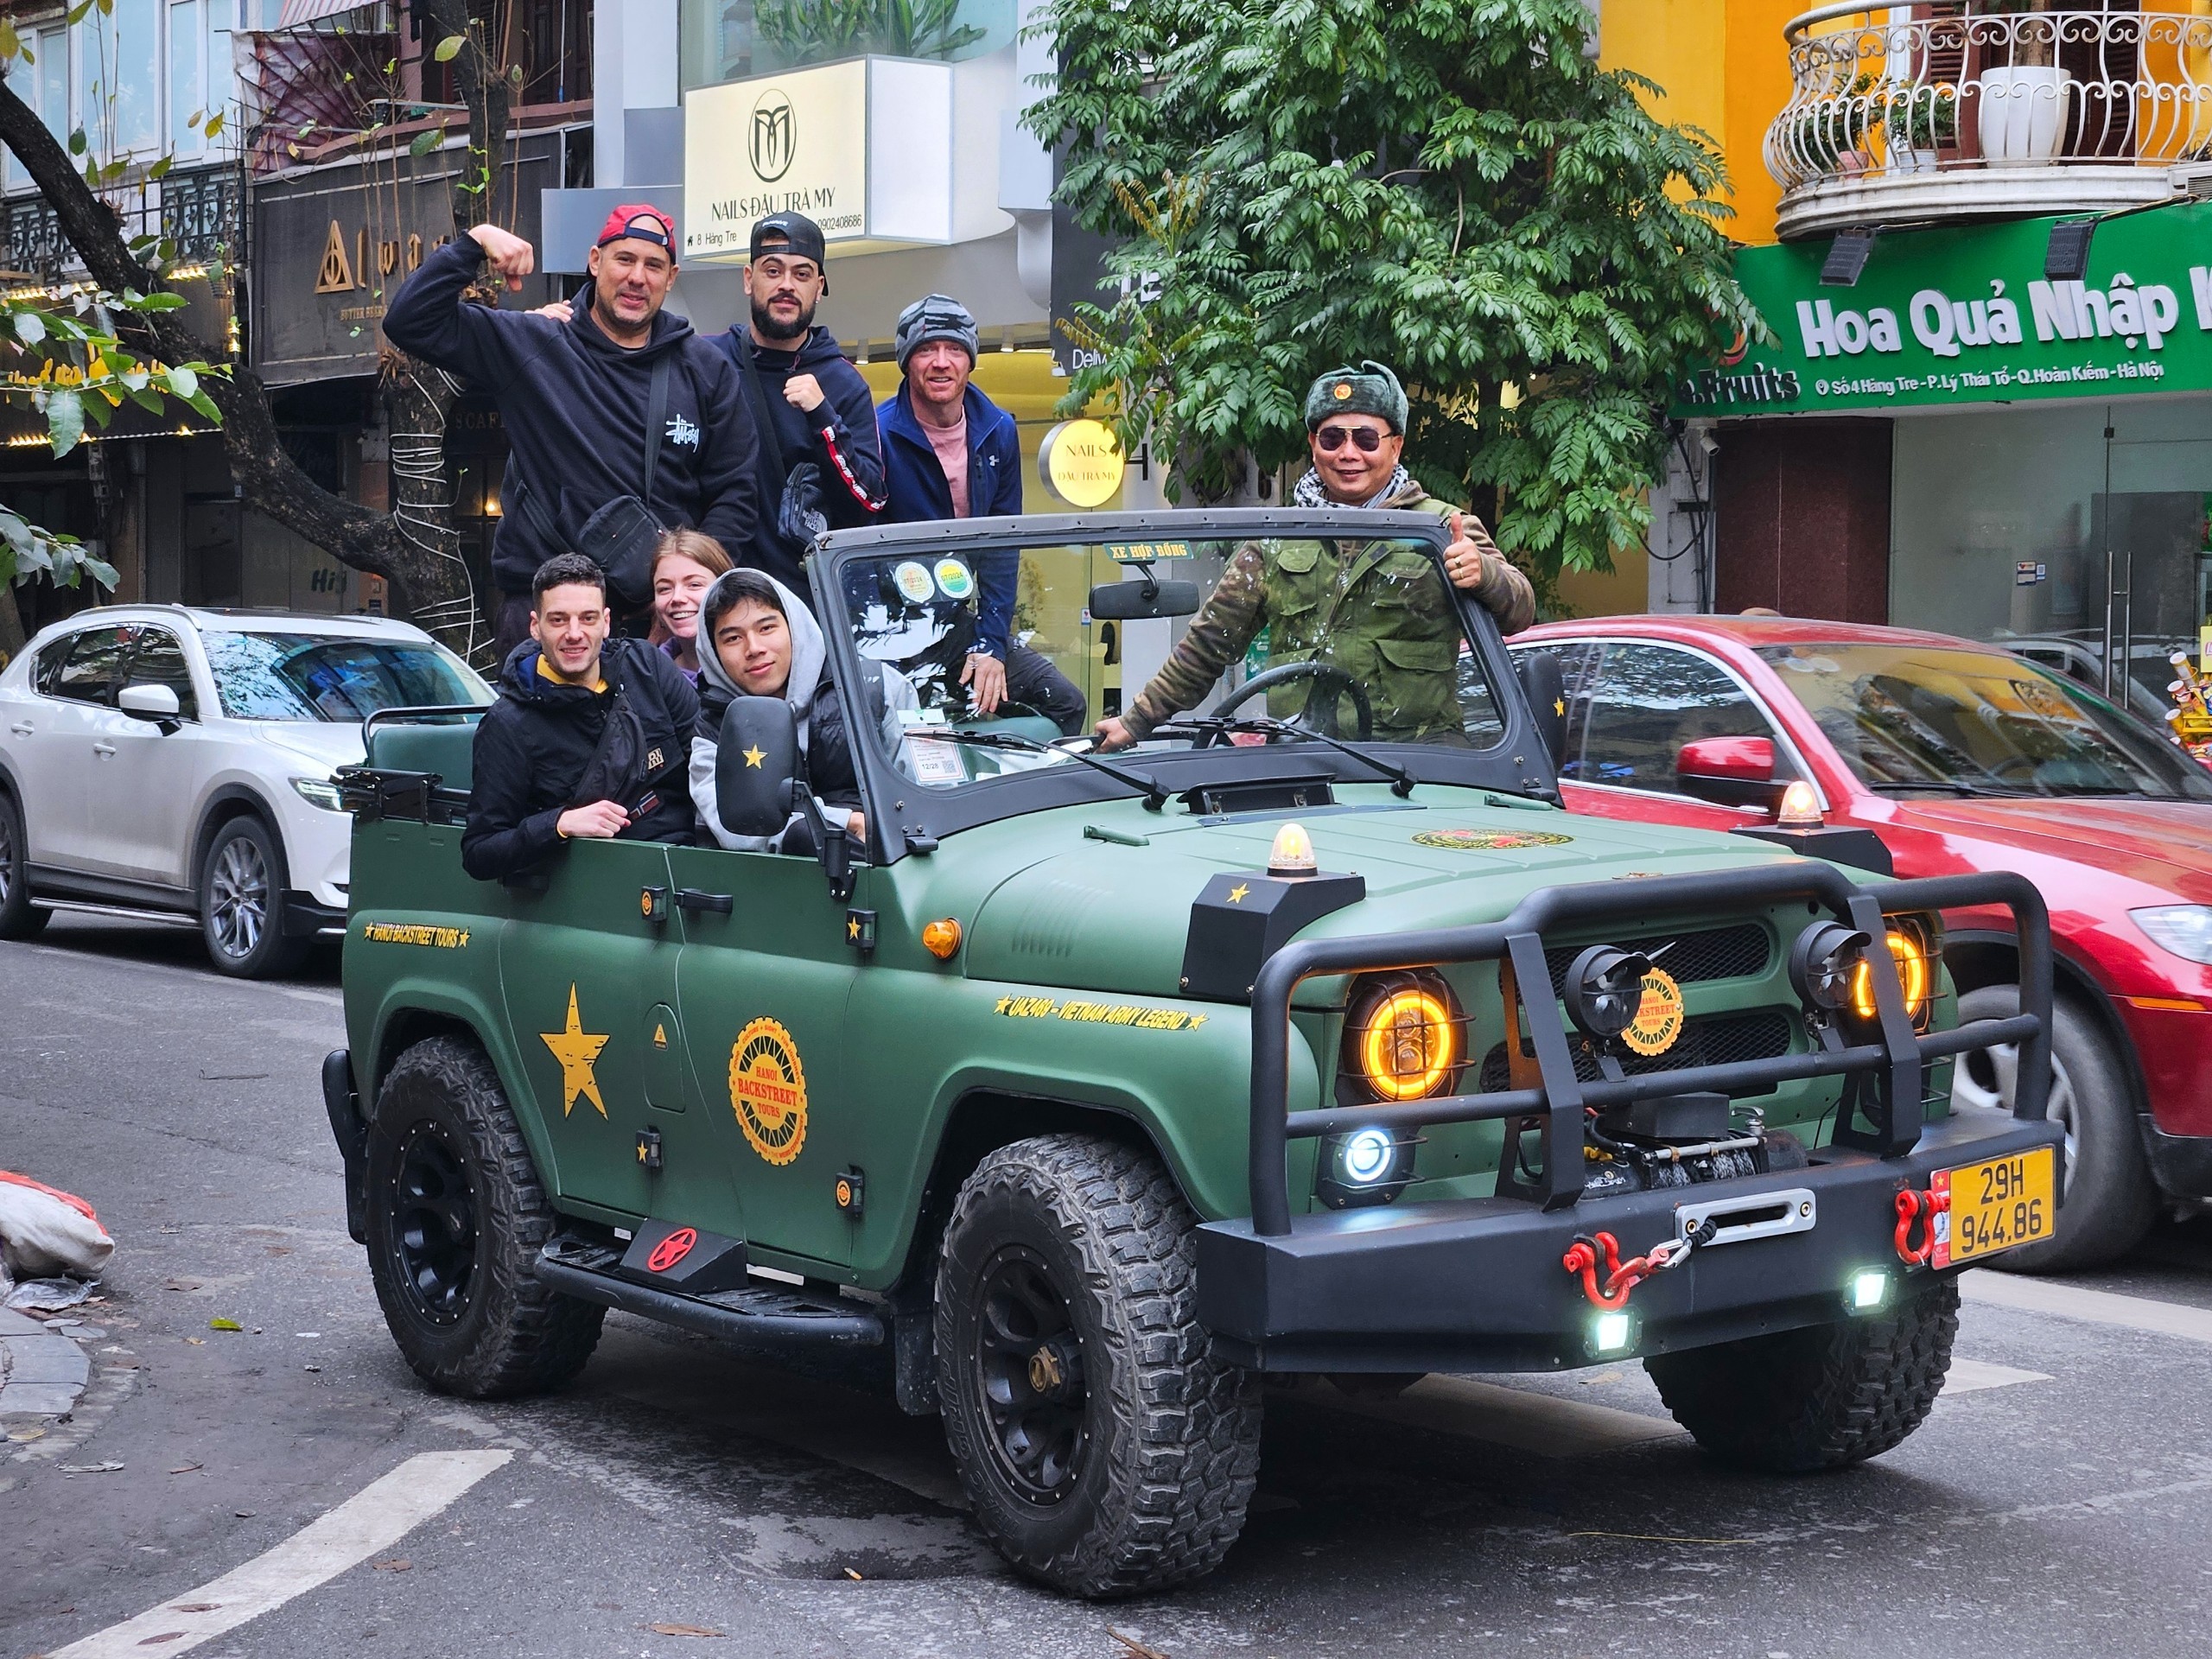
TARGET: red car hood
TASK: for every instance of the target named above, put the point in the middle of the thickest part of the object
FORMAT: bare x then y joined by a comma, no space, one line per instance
2166,844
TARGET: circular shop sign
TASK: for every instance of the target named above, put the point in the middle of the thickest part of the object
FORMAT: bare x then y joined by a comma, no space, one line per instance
1082,463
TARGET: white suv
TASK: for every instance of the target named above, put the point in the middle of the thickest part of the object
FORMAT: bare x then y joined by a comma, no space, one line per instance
162,758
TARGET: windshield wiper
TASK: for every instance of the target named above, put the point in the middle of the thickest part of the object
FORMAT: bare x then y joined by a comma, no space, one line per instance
1401,781
1898,785
1155,797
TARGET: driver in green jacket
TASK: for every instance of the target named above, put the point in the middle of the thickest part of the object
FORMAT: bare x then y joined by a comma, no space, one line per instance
1374,611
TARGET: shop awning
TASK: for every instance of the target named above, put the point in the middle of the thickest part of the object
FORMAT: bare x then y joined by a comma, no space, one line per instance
1966,314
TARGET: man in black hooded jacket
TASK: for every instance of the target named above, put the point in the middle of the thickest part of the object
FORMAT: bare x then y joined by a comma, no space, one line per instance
591,737
573,397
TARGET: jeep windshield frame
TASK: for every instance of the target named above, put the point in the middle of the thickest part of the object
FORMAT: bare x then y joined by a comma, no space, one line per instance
904,817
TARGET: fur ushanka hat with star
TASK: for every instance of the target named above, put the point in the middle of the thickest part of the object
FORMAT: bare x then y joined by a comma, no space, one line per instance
1370,388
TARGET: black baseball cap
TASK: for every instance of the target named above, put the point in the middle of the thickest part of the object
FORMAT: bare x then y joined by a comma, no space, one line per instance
792,233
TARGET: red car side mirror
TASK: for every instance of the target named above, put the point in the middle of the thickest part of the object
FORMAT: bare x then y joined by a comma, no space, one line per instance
1730,771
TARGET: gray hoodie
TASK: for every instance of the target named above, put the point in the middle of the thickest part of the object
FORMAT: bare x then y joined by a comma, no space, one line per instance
810,677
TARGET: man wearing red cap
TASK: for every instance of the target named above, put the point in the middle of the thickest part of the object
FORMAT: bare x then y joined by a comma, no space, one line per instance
619,421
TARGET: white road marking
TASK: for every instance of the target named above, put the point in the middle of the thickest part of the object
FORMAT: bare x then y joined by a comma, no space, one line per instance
373,1519
1541,1423
1972,1376
2028,1295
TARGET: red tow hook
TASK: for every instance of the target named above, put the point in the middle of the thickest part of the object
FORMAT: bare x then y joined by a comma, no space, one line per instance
1621,1277
1916,1205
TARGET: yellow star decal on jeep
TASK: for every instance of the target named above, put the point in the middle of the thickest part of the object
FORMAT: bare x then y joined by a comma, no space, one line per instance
1236,893
754,755
852,927
576,1050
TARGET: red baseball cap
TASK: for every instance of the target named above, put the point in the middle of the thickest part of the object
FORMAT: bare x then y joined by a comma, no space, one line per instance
643,220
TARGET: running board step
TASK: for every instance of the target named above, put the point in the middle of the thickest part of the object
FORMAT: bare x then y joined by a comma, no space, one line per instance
756,1316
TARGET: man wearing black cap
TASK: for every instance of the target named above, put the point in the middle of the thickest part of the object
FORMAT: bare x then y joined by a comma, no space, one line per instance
811,405
618,419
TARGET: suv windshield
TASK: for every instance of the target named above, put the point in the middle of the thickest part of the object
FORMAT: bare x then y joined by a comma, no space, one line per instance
304,676
1354,641
1978,722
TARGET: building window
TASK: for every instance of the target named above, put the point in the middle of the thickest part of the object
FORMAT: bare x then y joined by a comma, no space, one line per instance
187,80
118,77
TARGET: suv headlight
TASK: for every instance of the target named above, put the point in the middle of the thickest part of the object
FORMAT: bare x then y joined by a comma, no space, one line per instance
1404,1036
1912,949
318,791
2185,930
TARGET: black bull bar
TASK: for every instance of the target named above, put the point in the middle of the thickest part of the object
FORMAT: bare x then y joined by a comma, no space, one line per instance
1295,1295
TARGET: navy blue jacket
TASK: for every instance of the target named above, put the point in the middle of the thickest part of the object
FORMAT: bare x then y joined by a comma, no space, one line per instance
534,745
574,405
918,491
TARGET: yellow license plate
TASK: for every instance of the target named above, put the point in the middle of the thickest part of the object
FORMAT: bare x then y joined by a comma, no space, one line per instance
1994,1206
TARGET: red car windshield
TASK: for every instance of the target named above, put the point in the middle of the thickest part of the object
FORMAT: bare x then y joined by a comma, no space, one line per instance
1908,718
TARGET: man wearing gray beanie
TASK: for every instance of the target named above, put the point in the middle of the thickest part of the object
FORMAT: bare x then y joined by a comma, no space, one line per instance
948,452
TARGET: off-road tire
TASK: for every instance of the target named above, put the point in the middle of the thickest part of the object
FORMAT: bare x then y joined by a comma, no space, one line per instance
1821,1397
1173,1436
510,1334
245,850
19,917
2111,1197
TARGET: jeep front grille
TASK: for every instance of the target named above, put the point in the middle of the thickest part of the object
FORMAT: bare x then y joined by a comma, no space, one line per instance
1708,1040
1740,951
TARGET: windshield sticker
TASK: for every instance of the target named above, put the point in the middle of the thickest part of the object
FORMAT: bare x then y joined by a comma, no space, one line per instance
767,1090
936,759
438,938
1484,841
953,578
1658,1020
913,583
1099,1013
1146,552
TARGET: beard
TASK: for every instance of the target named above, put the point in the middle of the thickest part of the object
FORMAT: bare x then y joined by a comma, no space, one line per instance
765,328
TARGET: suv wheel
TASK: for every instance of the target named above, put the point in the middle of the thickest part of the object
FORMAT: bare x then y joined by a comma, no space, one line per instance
19,917
2111,1199
242,904
1820,1397
455,1219
1105,1451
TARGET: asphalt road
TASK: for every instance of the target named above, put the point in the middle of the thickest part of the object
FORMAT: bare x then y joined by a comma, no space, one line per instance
2059,1501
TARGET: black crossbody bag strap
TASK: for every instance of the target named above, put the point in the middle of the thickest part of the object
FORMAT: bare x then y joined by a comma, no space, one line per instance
656,420
763,417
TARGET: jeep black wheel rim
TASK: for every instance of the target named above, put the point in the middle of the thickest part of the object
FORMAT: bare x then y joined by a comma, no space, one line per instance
1028,1364
434,1226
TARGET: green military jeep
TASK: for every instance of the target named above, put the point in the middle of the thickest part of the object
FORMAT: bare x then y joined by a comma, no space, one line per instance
1096,1089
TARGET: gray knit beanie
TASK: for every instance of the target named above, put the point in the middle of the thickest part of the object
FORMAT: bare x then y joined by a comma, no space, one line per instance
936,316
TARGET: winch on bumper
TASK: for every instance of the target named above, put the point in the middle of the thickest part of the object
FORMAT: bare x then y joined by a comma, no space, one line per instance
1489,1284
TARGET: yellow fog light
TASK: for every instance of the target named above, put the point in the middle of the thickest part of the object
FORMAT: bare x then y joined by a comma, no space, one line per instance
1914,974
1403,1040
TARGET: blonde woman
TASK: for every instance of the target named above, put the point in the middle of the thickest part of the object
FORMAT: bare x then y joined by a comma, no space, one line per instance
686,564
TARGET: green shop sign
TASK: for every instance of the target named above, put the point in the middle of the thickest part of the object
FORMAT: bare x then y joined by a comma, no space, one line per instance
1966,316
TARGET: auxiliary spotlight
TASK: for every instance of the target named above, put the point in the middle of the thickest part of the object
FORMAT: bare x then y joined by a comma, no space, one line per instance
1822,961
1604,989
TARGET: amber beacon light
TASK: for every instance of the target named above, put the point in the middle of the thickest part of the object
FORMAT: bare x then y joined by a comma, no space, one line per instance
941,938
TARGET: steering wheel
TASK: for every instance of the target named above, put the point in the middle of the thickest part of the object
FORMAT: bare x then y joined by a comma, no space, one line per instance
1324,719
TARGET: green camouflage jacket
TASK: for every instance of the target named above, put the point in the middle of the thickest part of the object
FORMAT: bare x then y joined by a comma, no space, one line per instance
1382,611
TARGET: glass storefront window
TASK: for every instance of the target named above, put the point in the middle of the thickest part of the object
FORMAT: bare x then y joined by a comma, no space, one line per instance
2052,528
731,40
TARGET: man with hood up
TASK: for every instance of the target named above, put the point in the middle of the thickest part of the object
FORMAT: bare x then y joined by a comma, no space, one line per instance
756,640
577,397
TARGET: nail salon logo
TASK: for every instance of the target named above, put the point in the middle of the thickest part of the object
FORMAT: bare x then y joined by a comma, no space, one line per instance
775,138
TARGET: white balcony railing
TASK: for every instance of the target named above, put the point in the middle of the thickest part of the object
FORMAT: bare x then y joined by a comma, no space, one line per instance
1986,107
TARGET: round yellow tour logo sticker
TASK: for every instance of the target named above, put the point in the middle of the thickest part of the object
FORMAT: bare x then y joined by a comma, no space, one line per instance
767,1089
1484,841
1658,1020
914,583
953,578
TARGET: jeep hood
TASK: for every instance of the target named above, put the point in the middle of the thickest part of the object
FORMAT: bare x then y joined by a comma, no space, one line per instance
1083,912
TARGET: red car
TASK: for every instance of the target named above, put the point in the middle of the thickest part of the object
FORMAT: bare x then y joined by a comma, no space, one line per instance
1957,757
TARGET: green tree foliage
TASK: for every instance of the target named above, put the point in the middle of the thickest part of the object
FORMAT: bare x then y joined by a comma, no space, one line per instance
822,31
1448,185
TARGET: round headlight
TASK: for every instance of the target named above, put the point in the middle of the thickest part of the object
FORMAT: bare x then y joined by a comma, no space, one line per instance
1367,1154
1403,1040
1914,974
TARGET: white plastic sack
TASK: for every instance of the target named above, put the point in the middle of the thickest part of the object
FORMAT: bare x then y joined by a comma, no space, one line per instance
44,1230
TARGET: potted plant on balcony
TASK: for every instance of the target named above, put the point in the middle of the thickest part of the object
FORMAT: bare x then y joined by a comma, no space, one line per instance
1920,124
2024,100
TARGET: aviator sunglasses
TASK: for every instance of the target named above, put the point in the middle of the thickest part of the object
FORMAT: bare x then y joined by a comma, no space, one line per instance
1331,438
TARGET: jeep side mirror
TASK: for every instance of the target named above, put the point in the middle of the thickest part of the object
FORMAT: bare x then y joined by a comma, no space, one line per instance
1545,687
1140,602
1730,771
755,760
149,702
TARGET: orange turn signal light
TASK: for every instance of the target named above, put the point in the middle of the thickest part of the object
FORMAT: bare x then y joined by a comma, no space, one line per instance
941,938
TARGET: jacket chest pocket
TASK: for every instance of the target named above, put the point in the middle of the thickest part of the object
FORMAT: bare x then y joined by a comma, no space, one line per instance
1298,584
1417,684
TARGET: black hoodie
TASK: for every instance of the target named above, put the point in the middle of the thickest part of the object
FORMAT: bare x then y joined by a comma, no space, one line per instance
534,745
839,436
574,405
